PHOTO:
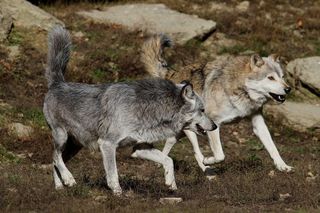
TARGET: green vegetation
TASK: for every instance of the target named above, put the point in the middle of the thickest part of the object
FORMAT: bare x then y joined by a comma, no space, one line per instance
234,50
6,156
98,75
15,38
35,115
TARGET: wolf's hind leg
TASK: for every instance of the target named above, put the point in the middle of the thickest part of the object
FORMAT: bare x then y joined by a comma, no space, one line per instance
159,157
60,137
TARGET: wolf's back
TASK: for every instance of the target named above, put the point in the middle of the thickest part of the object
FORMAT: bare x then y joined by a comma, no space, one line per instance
59,44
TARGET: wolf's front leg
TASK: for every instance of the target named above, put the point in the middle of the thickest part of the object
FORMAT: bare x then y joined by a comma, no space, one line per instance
108,150
261,130
216,147
168,145
196,149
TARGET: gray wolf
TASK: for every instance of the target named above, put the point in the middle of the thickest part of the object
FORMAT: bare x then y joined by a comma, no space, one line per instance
106,116
232,88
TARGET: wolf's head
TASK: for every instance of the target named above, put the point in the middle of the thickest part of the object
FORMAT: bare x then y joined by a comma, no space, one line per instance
193,111
267,78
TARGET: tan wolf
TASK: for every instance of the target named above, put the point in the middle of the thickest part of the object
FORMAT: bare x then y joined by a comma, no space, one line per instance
232,88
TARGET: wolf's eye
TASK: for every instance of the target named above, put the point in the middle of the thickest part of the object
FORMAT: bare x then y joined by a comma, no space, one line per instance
271,78
202,110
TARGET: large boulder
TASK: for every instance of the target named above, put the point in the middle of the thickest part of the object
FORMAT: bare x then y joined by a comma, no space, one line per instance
154,18
6,24
27,15
298,115
307,71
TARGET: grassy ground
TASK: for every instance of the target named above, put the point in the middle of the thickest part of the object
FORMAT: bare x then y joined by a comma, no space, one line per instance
244,181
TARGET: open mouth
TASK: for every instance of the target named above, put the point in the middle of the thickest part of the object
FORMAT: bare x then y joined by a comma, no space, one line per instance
279,98
200,130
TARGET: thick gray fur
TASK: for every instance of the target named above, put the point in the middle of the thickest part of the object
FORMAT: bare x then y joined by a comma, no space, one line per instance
109,115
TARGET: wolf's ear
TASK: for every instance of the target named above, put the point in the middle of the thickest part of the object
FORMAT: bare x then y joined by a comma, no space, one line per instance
279,59
187,92
256,60
275,57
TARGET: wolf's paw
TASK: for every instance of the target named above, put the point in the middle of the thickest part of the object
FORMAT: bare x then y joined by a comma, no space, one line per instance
200,161
284,168
117,191
58,187
173,186
213,160
69,181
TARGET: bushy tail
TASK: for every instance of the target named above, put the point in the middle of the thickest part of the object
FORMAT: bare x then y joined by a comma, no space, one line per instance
152,55
59,44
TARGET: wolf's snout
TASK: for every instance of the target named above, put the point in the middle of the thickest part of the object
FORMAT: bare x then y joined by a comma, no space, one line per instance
287,90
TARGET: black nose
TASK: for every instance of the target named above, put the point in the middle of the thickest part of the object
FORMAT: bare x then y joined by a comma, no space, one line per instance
287,90
214,126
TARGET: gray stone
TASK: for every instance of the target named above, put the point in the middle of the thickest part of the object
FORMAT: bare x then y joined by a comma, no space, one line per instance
27,15
154,18
306,70
283,197
170,200
78,34
6,24
23,132
297,115
221,7
243,6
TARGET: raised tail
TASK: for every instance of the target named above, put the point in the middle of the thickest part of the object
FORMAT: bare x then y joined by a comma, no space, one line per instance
152,55
59,44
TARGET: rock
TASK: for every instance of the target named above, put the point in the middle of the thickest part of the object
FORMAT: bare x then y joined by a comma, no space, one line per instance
271,173
101,198
6,24
243,6
23,132
311,177
46,166
307,70
79,34
170,200
212,177
153,18
214,6
12,189
297,115
27,15
283,197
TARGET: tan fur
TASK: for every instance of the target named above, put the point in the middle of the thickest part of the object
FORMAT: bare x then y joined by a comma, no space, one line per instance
151,55
220,82
232,88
